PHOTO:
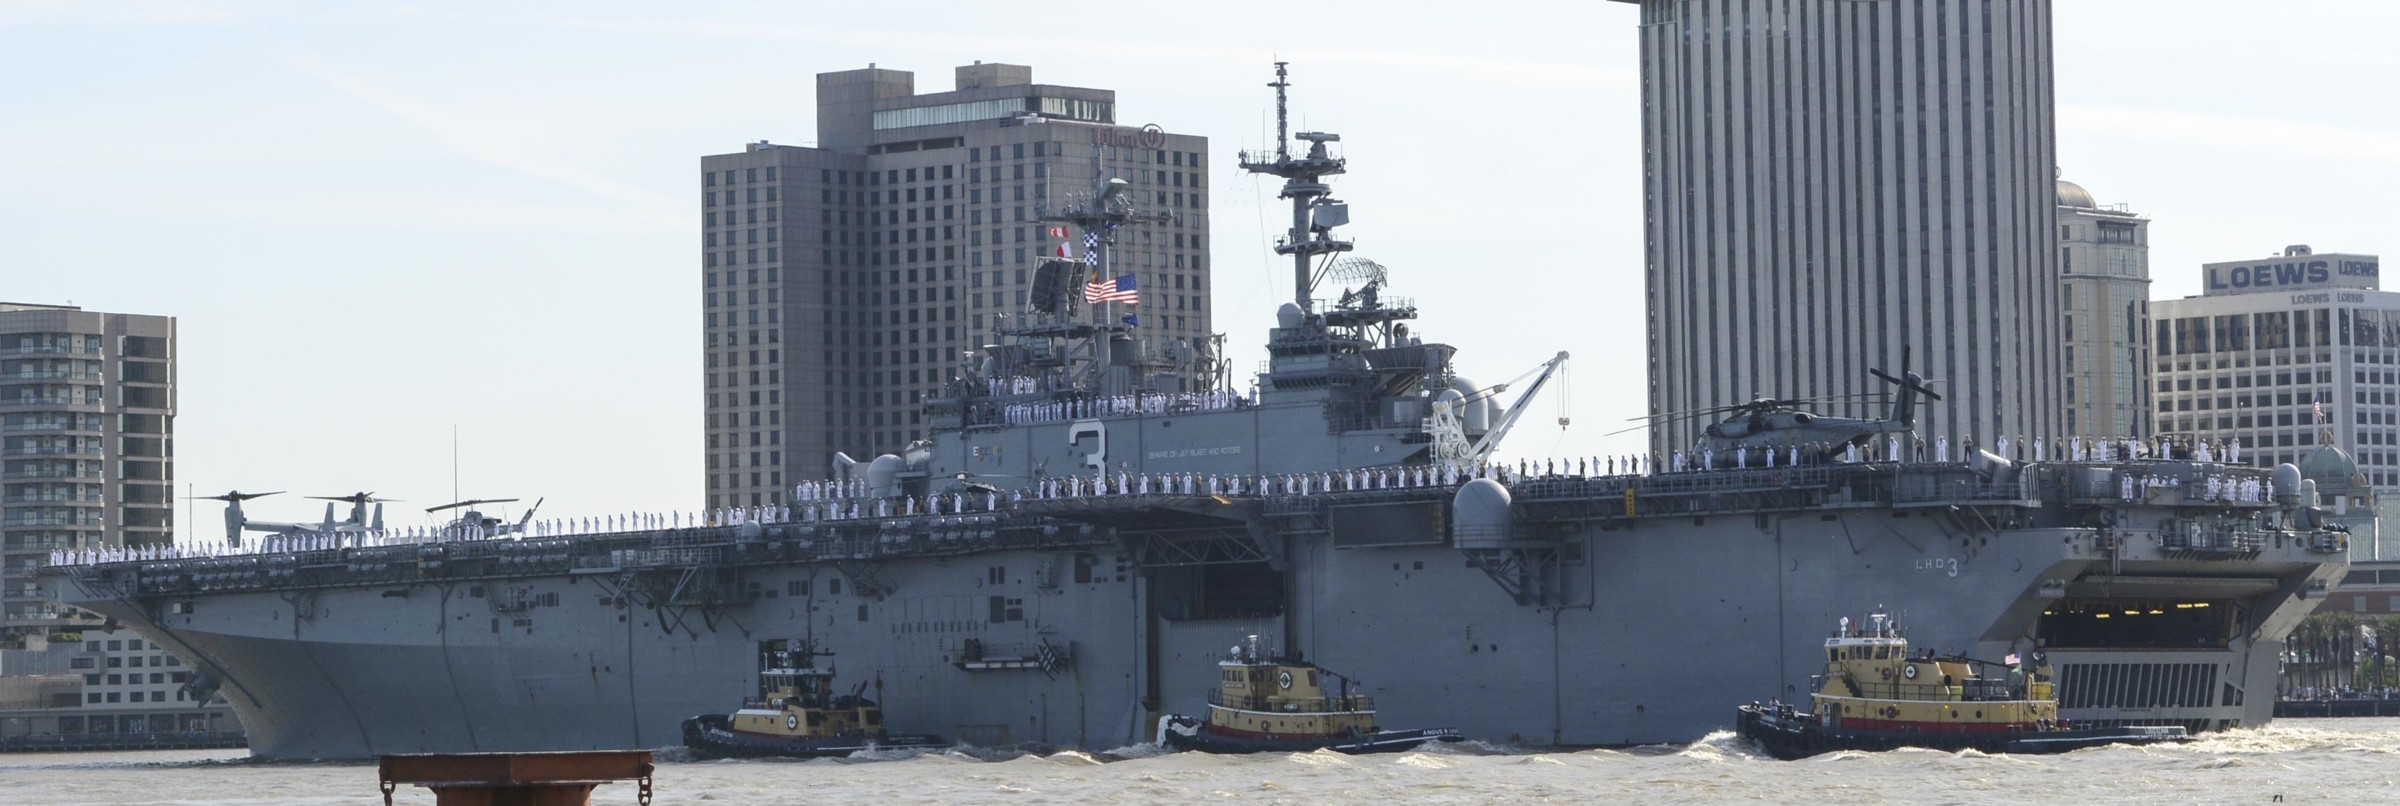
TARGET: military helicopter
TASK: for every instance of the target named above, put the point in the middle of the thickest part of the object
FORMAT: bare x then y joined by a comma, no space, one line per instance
485,525
1780,424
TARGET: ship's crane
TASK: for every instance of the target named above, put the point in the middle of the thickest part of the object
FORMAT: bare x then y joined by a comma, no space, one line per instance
1482,450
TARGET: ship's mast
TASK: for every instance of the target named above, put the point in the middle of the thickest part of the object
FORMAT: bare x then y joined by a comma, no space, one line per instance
1314,211
1108,208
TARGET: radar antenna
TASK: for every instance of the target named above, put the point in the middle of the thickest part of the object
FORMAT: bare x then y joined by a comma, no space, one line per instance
1356,270
1283,114
1314,211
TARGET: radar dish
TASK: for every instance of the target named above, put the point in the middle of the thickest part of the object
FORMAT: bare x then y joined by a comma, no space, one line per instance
1358,270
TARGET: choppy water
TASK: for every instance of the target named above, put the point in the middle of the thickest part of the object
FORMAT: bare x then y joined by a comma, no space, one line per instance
2345,761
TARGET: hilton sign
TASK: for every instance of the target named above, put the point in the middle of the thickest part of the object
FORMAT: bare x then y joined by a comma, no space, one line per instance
1149,136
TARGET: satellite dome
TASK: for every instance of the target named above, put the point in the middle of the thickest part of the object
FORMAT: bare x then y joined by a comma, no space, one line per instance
1480,511
1288,316
2287,484
883,474
2073,195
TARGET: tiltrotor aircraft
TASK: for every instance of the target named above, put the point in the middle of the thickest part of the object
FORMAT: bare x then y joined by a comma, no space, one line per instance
236,522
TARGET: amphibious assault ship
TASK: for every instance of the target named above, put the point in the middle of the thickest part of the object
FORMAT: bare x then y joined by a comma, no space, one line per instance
1087,527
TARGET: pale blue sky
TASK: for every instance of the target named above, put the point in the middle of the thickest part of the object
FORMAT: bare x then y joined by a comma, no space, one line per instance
376,222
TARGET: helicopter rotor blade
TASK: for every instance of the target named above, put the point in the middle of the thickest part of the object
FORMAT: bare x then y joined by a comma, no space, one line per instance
355,498
1755,404
231,496
1920,388
470,502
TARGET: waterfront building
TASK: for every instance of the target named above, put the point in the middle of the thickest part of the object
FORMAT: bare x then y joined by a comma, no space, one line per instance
2104,264
844,282
87,430
1829,184
104,683
87,446
2284,354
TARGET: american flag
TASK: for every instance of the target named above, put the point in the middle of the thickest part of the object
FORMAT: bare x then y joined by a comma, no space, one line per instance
2011,660
1118,289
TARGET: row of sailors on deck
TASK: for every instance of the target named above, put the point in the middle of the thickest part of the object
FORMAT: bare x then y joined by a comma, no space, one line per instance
2105,449
2246,490
1376,478
823,490
1118,405
2075,449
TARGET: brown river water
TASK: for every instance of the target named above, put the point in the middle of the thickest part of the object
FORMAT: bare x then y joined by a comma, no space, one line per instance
2332,761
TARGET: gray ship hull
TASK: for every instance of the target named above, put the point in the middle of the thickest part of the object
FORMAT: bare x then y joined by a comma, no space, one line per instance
1597,629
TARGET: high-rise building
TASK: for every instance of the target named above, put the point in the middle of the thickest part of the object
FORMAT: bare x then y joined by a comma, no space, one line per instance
87,444
2104,258
1828,184
2282,354
843,283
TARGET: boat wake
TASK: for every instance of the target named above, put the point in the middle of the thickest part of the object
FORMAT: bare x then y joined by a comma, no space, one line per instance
2284,737
1720,746
1133,751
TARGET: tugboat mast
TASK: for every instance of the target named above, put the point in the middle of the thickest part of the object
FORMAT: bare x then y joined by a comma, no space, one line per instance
1314,211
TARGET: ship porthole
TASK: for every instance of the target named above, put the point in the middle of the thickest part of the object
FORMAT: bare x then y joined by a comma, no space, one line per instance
791,722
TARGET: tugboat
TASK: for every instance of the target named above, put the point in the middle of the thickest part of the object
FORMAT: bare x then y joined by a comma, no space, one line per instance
797,714
1874,695
1270,704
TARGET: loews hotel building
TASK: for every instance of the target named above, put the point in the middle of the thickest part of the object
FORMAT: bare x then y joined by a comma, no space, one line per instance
843,283
2269,341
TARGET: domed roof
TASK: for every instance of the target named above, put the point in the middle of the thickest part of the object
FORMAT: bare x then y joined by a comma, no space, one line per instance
2073,195
2332,469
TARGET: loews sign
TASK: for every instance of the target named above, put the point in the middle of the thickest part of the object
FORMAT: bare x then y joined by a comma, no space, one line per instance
2284,273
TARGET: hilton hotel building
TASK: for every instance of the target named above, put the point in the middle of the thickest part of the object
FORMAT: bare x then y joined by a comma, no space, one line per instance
1829,184
842,283
2268,340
